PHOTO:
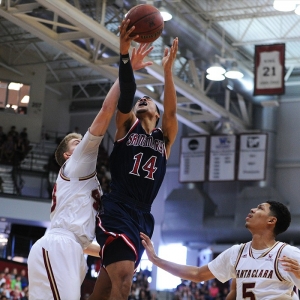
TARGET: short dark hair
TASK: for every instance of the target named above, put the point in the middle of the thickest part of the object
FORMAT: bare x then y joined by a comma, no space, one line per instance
283,215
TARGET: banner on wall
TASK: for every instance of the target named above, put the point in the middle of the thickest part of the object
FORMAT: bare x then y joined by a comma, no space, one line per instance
222,158
252,159
192,159
269,69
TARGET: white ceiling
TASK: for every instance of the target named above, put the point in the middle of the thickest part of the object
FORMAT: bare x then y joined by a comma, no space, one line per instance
77,40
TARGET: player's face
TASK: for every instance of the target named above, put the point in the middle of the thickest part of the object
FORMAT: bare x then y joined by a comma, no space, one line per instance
145,104
259,217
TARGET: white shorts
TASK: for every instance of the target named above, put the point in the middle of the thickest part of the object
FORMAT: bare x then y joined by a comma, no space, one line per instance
56,267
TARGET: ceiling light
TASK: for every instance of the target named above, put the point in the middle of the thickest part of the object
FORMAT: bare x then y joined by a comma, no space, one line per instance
233,72
215,77
284,5
166,15
216,68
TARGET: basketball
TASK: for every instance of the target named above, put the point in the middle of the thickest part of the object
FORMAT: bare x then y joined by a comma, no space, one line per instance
148,22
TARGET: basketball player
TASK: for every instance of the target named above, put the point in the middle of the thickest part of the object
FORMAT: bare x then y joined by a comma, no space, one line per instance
264,268
56,263
137,165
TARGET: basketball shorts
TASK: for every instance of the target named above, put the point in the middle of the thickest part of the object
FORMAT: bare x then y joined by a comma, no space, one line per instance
118,231
56,267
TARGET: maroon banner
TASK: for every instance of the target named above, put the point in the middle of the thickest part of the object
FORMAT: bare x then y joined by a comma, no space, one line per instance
269,69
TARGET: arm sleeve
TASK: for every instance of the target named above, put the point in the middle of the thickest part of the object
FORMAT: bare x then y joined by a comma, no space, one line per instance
127,85
83,161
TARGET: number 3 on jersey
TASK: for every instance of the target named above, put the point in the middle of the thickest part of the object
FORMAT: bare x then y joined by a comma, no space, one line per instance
148,167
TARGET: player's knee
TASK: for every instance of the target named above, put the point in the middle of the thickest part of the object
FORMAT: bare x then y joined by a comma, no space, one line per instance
126,287
125,282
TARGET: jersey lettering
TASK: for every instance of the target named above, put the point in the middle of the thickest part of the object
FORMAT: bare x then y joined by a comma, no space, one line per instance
254,273
148,167
142,140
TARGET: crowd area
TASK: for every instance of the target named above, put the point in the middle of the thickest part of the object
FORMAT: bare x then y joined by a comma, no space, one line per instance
213,290
14,145
209,290
13,284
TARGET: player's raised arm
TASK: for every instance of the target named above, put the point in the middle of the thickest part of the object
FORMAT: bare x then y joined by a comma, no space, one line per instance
169,120
125,116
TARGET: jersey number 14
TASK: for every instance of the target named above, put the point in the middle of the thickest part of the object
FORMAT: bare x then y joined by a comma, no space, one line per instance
148,167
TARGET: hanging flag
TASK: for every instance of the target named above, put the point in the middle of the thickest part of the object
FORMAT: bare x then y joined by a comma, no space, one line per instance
269,69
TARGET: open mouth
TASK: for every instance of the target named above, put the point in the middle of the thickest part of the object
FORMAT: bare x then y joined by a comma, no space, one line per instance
143,103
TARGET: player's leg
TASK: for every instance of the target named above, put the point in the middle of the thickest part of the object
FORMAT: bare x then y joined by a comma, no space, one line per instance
118,260
102,288
70,269
37,275
121,274
55,271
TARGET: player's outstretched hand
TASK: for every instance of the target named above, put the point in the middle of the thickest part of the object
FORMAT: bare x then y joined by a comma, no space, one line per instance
138,55
125,38
148,247
170,55
290,265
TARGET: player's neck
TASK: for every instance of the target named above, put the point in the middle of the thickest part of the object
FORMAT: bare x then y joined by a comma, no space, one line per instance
262,242
147,125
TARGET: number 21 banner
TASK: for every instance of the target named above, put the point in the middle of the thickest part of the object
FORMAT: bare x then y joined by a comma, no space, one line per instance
269,69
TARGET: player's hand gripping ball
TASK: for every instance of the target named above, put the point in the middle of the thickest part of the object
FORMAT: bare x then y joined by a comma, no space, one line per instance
148,22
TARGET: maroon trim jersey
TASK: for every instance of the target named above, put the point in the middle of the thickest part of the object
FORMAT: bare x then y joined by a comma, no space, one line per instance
138,164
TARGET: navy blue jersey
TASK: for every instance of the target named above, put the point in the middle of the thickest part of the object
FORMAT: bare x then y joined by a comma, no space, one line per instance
138,164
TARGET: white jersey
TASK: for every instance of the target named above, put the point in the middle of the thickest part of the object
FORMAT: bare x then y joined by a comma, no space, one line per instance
259,274
76,194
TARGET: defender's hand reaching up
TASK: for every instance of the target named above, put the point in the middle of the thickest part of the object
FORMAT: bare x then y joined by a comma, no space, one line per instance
170,55
138,55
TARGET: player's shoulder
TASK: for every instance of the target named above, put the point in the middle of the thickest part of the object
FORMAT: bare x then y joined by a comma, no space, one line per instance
290,251
233,250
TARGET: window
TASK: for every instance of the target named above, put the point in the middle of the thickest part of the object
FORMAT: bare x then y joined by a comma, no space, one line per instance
14,97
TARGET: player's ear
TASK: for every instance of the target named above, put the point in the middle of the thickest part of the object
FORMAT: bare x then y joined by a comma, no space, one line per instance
66,155
272,220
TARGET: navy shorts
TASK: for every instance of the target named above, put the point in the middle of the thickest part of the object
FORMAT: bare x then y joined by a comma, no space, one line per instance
118,230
